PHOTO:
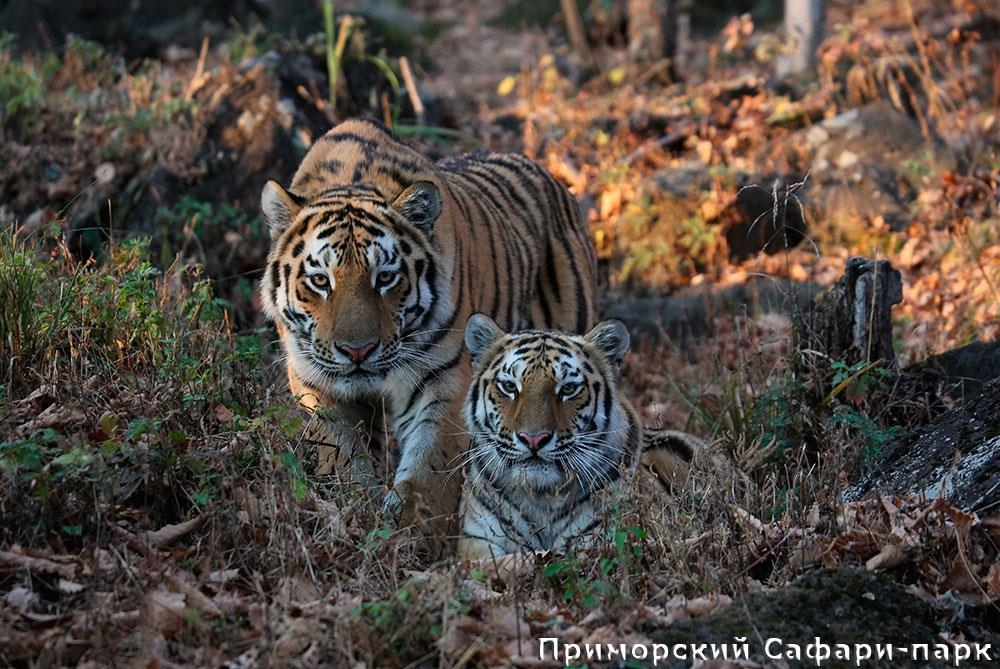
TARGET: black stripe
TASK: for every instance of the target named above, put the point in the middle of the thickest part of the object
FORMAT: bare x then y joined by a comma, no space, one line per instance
571,216
367,144
475,395
657,441
608,402
490,288
330,165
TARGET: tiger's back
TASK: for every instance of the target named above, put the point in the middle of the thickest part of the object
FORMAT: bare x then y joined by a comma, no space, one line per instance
378,256
535,240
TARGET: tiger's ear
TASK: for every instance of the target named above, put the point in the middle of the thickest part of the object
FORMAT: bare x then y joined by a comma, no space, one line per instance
279,207
420,204
480,334
612,339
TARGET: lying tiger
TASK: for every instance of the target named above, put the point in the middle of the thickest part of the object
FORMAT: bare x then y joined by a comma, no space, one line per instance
553,438
378,256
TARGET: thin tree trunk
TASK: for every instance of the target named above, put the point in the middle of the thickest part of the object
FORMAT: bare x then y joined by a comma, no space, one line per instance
574,26
803,31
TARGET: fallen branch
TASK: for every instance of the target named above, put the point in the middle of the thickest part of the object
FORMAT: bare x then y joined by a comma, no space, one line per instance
22,561
169,533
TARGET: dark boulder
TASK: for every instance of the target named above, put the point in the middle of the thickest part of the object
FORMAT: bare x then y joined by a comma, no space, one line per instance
845,606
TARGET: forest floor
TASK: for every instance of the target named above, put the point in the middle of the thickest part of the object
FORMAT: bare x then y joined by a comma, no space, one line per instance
156,509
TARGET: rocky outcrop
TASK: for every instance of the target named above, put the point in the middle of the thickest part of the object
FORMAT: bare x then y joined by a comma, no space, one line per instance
870,161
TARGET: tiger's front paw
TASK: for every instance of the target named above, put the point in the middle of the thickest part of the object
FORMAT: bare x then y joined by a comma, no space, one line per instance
403,505
392,506
425,533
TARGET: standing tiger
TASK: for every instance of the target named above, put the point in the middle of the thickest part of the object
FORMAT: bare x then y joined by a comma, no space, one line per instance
378,256
553,438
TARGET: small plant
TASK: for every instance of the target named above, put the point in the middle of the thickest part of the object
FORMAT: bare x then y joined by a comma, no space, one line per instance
20,85
191,226
864,428
35,310
245,43
400,627
599,576
291,462
333,54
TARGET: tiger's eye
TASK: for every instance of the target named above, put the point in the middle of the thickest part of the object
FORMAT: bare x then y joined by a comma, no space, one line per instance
384,277
507,388
569,390
320,281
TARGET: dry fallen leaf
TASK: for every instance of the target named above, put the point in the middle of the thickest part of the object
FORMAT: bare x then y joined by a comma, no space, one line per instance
700,606
68,587
992,581
195,597
223,414
460,633
221,576
165,611
506,623
295,638
54,416
16,559
46,618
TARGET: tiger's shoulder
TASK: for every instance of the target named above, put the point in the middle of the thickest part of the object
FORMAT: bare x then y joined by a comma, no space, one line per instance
361,150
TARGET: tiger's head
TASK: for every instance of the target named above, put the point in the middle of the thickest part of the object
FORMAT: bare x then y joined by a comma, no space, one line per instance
351,281
544,408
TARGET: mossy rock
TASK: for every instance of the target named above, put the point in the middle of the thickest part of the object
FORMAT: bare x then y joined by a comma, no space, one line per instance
846,606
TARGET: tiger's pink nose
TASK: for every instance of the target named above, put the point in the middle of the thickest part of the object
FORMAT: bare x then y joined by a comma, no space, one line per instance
534,440
357,353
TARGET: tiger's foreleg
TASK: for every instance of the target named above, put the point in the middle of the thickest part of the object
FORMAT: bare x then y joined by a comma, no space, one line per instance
348,437
428,479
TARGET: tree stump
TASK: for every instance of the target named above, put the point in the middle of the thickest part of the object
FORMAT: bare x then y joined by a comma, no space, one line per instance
852,321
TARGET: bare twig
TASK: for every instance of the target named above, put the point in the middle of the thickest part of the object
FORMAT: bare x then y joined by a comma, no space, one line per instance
574,26
670,139
411,89
169,533
200,76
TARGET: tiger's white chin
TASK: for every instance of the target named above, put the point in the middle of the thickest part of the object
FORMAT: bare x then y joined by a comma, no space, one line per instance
357,386
360,384
538,476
